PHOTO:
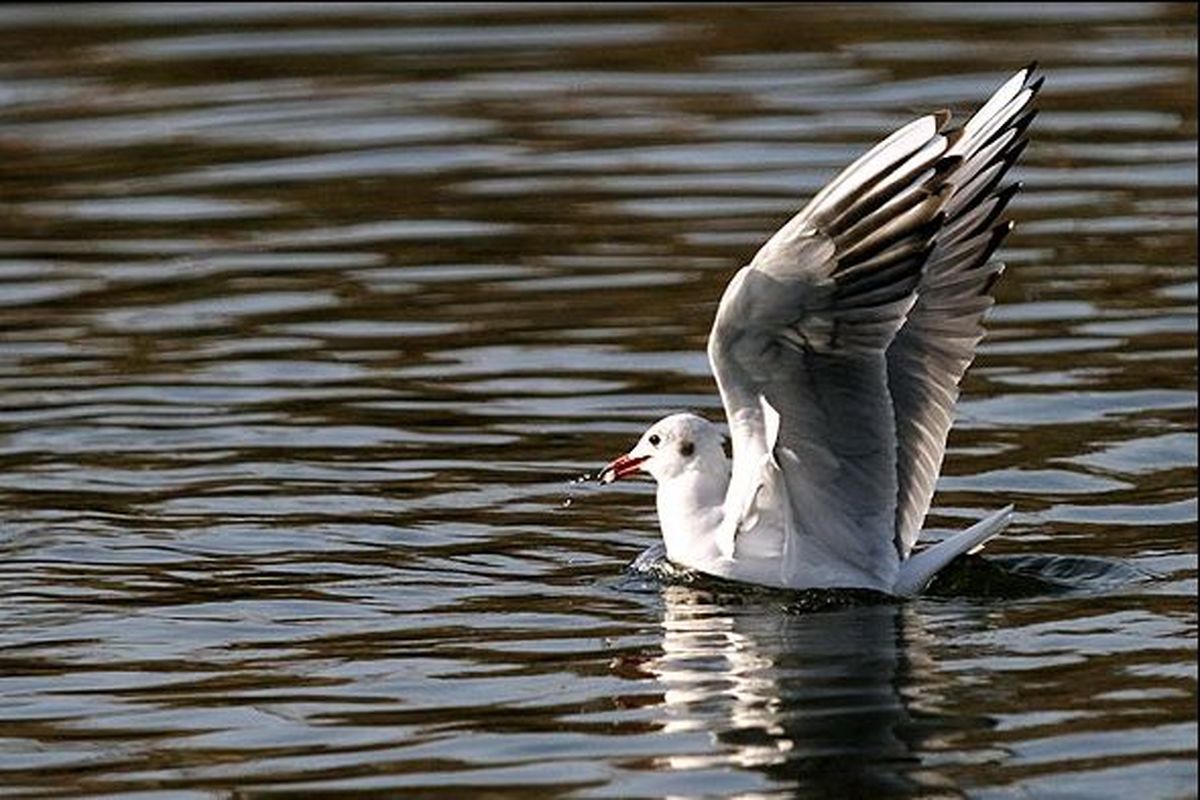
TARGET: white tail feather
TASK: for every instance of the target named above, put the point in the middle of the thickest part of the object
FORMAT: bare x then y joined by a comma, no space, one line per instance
918,570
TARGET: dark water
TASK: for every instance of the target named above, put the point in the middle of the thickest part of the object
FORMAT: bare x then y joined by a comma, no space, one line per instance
309,315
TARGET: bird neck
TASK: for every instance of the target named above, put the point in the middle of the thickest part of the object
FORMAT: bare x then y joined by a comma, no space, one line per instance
690,511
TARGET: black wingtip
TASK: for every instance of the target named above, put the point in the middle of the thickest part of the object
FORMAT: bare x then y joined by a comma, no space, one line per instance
999,233
994,241
1023,122
930,229
1006,194
941,117
944,166
991,280
1037,85
1002,199
1030,68
1015,152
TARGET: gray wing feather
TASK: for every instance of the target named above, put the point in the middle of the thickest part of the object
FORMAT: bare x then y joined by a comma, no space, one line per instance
853,325
805,329
931,352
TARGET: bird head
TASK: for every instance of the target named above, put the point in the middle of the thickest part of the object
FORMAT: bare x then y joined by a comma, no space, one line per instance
669,448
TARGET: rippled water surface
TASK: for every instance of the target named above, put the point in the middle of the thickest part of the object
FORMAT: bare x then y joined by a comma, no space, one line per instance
310,315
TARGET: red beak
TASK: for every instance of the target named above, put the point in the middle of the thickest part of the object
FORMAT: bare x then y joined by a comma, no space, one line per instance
623,467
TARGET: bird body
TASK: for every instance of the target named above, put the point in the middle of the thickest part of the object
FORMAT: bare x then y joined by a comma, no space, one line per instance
838,351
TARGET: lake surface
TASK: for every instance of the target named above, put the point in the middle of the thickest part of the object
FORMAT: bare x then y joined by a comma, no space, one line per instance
310,315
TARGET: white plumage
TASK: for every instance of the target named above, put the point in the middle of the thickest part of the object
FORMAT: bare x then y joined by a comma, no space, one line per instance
838,352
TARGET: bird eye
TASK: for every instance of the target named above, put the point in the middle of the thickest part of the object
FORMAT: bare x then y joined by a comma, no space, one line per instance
654,440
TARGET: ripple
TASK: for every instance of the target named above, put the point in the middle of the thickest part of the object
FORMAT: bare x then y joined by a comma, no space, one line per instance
349,41
151,209
312,313
220,312
1072,407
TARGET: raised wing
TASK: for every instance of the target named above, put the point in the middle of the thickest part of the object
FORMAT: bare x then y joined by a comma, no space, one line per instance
838,350
937,343
799,352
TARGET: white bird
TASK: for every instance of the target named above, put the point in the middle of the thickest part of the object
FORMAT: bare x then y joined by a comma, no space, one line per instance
838,352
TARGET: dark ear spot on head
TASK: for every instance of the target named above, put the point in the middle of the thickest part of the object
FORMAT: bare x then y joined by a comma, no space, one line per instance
727,446
686,448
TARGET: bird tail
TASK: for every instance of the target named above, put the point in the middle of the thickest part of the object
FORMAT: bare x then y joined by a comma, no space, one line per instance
918,570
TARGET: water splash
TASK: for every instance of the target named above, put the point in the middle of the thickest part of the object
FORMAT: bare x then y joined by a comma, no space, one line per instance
585,477
968,576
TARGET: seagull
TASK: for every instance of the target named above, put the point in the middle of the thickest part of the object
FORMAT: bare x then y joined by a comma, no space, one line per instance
838,352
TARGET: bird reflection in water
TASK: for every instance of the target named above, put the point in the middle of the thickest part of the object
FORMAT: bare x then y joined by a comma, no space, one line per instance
825,702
